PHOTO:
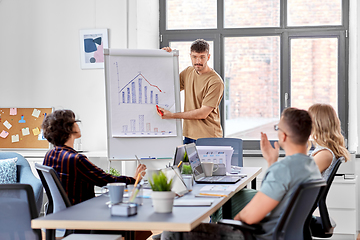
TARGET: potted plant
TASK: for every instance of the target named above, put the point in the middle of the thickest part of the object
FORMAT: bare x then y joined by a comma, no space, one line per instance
162,196
186,172
113,172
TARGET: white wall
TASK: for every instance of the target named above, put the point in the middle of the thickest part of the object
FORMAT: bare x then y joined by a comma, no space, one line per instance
40,56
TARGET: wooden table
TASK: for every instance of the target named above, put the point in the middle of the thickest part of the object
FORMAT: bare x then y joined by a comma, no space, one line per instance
95,214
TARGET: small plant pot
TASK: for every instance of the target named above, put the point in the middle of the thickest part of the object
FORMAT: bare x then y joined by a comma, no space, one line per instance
163,202
189,180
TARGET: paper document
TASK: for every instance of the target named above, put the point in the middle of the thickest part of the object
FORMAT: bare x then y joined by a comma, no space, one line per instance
216,155
218,188
191,202
146,193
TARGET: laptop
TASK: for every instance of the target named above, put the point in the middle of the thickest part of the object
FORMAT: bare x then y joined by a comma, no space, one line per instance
179,156
198,172
178,185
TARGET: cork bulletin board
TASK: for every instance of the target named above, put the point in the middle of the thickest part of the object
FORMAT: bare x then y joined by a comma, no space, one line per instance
21,128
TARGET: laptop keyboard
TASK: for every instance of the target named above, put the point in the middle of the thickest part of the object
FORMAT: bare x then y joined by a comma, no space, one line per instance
213,178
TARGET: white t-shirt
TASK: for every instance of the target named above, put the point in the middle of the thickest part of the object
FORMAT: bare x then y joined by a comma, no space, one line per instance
325,174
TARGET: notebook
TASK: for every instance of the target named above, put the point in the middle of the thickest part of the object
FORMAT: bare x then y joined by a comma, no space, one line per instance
198,172
178,185
173,172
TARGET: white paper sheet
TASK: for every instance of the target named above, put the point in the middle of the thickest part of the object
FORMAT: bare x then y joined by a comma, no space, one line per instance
218,152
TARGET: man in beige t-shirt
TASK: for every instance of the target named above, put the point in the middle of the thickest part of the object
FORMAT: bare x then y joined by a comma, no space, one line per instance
204,90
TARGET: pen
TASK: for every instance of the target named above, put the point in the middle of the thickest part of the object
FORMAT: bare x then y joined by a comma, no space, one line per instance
179,164
161,113
211,194
138,159
134,193
137,180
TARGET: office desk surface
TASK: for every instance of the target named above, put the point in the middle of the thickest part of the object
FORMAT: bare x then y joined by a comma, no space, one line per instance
95,214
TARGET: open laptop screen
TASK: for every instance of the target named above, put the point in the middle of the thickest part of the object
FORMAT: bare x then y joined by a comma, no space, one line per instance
194,160
179,155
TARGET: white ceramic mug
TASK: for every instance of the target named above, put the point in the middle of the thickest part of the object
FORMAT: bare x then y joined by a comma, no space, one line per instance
115,191
208,168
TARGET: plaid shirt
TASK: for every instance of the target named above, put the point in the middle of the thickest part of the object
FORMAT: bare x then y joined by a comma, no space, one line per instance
77,174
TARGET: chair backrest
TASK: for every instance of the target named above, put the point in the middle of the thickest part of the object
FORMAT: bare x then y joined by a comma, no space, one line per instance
235,143
58,199
25,175
324,214
17,209
295,220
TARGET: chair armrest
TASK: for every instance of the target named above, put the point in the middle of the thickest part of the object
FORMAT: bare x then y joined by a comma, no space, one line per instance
255,228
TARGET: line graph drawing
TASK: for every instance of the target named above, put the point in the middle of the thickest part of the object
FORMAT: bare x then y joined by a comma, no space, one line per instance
138,93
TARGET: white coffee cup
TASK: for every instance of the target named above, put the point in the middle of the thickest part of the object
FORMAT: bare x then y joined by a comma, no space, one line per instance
115,191
208,168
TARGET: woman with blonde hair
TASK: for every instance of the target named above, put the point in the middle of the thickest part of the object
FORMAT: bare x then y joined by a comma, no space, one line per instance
327,138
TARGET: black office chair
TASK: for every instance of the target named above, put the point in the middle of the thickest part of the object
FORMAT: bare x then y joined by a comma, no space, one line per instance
236,160
18,208
59,200
235,143
57,197
324,225
295,220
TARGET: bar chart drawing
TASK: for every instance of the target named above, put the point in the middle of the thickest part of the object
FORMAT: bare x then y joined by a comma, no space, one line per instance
144,128
135,92
139,90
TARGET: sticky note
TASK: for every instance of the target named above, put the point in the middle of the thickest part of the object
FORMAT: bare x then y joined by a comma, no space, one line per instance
13,111
4,134
36,131
36,113
25,131
7,124
15,138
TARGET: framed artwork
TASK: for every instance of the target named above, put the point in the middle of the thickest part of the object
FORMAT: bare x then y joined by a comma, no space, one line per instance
92,44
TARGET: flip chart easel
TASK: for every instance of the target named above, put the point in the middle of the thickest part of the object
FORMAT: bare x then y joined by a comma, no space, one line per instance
139,137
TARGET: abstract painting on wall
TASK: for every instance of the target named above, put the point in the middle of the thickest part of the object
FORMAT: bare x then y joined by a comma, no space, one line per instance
92,44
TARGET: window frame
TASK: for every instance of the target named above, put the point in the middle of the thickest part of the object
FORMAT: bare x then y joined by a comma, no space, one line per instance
286,33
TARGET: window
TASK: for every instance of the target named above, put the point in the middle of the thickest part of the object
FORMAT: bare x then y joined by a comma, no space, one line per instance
271,55
246,14
187,14
252,79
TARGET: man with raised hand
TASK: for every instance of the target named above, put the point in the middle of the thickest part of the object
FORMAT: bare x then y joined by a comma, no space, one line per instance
280,180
